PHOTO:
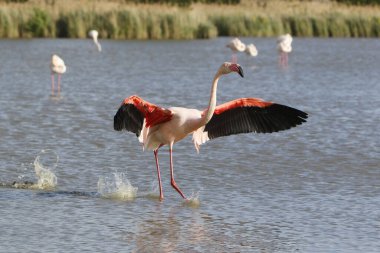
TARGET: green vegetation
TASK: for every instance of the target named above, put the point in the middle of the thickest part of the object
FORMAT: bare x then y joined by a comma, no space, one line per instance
117,20
183,2
173,2
360,2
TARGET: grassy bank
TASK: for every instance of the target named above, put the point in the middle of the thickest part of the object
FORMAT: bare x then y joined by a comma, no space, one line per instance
117,20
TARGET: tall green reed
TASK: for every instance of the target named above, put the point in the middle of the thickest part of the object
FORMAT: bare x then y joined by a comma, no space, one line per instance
178,23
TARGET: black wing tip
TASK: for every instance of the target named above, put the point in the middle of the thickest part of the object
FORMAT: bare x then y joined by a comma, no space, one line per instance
274,118
128,117
291,117
118,121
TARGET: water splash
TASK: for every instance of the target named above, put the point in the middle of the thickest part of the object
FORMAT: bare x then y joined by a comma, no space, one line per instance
116,187
193,201
56,97
44,166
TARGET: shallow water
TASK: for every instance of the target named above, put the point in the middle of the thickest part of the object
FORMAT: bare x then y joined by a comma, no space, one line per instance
314,188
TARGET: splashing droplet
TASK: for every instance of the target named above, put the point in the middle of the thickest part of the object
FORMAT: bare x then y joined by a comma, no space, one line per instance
116,187
44,166
193,201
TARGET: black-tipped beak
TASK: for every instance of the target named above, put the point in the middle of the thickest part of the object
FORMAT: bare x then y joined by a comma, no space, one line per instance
241,73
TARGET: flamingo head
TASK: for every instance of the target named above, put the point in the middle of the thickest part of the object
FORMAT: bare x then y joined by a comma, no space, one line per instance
229,67
93,34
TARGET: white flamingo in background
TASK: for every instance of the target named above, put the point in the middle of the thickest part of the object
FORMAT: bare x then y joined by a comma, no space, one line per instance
251,50
57,66
156,127
94,35
236,46
284,47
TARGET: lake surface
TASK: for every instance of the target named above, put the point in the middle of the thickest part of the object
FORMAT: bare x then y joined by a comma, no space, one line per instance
313,188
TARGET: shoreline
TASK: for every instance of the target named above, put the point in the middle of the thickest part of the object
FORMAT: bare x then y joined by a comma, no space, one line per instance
114,20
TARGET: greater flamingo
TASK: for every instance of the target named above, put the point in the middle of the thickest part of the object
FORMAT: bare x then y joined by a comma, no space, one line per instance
155,126
236,46
94,35
57,66
251,50
284,47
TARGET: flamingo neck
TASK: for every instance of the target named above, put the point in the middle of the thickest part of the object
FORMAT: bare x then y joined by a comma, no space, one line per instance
212,103
99,46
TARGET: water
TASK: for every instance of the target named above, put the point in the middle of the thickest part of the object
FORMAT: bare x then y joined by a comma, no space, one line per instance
314,188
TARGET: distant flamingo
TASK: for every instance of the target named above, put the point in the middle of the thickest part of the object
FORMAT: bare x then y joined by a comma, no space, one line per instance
155,126
236,46
57,66
94,35
284,47
251,50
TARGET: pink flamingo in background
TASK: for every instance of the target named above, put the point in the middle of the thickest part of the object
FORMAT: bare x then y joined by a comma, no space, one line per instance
251,50
284,47
94,35
236,46
155,126
57,66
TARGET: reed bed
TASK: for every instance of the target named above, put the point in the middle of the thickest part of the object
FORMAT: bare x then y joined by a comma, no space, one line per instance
117,20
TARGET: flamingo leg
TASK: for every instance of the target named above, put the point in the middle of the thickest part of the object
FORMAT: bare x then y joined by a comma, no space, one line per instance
286,59
52,84
158,173
59,83
173,183
234,58
282,58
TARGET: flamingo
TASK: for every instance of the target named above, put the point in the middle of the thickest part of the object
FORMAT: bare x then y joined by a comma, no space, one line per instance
57,66
284,47
236,46
251,50
156,126
94,35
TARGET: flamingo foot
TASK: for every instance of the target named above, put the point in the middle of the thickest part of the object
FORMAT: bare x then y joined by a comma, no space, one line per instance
174,185
193,201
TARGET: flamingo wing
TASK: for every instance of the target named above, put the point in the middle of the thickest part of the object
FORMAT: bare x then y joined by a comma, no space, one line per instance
134,110
246,115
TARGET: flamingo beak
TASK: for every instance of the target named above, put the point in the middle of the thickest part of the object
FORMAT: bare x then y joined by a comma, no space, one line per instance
240,71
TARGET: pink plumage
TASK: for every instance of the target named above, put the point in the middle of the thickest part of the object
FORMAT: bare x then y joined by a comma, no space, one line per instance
156,127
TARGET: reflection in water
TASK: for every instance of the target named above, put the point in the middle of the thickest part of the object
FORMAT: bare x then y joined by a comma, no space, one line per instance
171,233
184,229
56,97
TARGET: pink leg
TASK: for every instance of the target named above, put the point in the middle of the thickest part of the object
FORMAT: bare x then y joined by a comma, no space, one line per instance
281,59
158,174
286,59
234,58
173,183
52,84
59,83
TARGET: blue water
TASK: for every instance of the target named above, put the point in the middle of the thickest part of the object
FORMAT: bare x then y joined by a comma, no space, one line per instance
314,188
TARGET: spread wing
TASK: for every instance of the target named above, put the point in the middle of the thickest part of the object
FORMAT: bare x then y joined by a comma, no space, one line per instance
246,115
132,112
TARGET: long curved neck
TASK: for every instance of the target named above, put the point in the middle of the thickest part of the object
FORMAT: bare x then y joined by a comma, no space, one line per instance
212,103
